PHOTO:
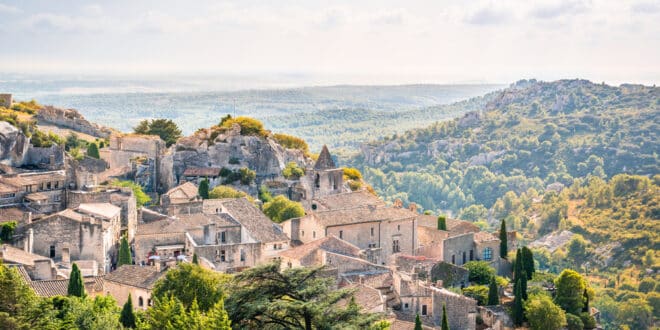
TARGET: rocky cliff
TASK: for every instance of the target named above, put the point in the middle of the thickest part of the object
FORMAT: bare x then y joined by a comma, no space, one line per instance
14,145
71,119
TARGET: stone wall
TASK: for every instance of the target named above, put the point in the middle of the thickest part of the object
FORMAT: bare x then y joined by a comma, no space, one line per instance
454,248
450,275
235,255
120,197
461,311
72,119
144,244
121,291
52,157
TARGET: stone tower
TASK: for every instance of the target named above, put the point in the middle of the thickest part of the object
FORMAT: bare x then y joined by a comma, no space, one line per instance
326,178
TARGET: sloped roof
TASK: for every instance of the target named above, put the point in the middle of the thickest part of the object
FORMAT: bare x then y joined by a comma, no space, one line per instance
137,276
360,215
366,297
105,210
49,288
349,199
454,226
258,226
11,254
324,162
329,243
185,190
483,236
183,222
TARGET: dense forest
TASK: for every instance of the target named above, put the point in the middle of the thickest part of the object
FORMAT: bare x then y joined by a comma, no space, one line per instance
529,136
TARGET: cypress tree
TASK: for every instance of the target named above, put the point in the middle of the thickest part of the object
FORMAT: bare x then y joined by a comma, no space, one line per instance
445,324
517,311
493,294
528,262
518,265
585,295
418,323
127,317
523,285
442,222
195,260
125,257
76,287
93,150
504,244
203,189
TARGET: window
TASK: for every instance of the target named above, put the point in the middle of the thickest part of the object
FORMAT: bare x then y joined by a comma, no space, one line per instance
302,233
395,246
52,251
57,198
242,255
398,227
222,255
223,237
140,301
317,181
488,254
405,306
423,309
341,234
149,302
48,185
57,184
372,231
471,255
453,259
313,234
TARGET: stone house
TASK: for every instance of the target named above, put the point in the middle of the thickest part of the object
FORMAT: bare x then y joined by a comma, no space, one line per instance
121,197
231,234
183,198
433,269
197,174
89,232
37,267
378,230
138,281
41,192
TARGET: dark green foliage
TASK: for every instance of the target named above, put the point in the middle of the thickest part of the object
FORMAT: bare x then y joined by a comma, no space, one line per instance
190,283
493,293
528,262
585,297
504,245
523,285
93,150
247,175
203,189
517,310
570,287
297,298
477,292
647,285
588,321
45,140
125,257
7,230
76,287
418,323
166,129
518,265
264,194
480,271
442,222
445,324
140,197
574,322
127,317
195,259
282,209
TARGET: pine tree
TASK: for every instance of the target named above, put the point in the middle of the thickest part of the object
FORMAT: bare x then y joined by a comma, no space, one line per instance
504,245
493,294
76,287
528,262
195,259
585,308
418,323
93,150
442,222
125,257
445,324
217,317
203,189
127,317
517,311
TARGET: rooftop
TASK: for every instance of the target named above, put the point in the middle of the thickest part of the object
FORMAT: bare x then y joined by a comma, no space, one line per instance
138,276
11,254
329,243
352,199
186,190
360,215
258,226
185,222
454,227
105,210
325,162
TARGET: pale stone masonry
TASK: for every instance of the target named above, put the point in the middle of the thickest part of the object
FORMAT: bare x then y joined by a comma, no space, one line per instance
138,281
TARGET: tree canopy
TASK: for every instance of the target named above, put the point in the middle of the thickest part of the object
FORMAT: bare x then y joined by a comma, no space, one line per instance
166,129
543,314
188,283
282,209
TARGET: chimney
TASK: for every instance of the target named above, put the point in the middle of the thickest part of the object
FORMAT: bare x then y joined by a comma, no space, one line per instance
439,284
27,218
412,207
210,235
398,203
157,265
361,279
28,241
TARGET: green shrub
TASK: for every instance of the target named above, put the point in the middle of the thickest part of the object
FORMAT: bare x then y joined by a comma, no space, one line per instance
249,126
588,321
292,171
282,209
646,285
574,322
480,271
225,192
354,185
352,173
234,161
292,142
247,175
478,293
140,197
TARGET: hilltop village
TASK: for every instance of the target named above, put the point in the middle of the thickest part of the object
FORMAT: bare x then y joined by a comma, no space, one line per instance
70,208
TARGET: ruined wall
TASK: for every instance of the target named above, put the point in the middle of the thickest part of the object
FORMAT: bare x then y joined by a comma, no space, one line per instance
461,311
52,157
72,119
428,235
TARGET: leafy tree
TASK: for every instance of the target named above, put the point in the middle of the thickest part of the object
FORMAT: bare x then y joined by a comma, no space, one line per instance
16,297
125,257
577,249
247,175
574,322
646,285
442,222
588,320
291,142
528,262
141,198
127,317
7,231
352,173
166,313
282,209
292,171
166,129
418,322
477,292
264,194
543,314
93,151
480,271
504,245
226,192
188,283
517,310
518,265
493,293
249,126
76,287
635,313
203,189
474,212
569,288
217,317
297,298
445,324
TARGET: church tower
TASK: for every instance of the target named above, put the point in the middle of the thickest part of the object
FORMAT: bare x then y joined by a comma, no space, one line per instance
327,179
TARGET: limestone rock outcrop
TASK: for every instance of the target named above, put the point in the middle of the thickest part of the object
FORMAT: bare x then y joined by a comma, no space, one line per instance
14,145
71,119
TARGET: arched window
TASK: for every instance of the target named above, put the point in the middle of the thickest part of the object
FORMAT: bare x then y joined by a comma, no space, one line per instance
488,254
140,302
317,181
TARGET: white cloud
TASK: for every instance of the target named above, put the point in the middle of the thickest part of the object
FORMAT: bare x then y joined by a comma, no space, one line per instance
7,9
489,14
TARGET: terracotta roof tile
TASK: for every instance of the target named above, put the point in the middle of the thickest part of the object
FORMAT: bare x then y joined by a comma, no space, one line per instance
188,189
138,276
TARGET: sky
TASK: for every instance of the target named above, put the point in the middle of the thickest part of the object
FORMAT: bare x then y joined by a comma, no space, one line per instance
379,42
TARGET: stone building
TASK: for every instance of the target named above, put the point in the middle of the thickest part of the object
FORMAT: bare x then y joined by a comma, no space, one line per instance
379,230
37,267
182,199
324,178
197,174
138,281
40,192
88,232
230,234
